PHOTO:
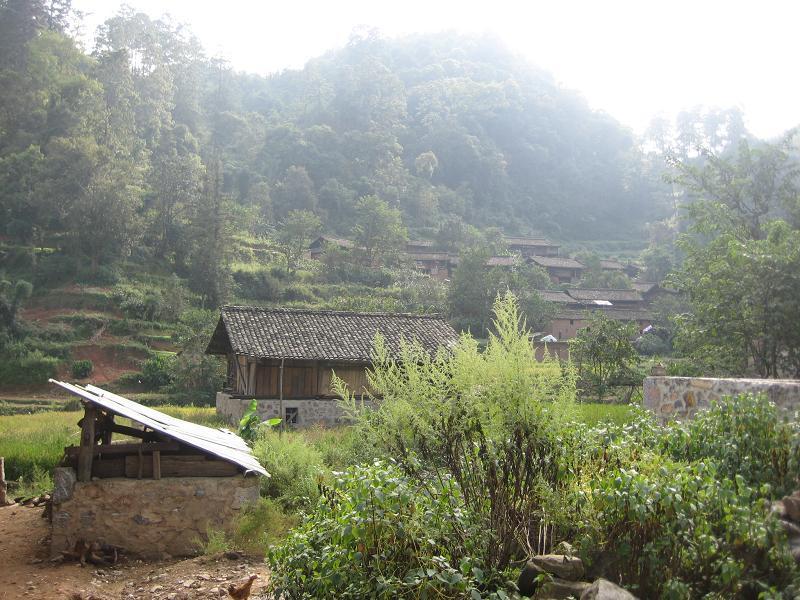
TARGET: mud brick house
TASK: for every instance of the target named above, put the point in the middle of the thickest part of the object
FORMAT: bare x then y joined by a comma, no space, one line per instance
560,269
285,358
566,323
527,247
439,265
154,493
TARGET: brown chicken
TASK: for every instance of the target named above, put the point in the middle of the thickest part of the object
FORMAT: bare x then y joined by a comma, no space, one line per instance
242,591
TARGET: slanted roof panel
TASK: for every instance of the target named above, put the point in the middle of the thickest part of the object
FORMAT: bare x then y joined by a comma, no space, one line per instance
610,295
219,442
328,335
557,262
555,296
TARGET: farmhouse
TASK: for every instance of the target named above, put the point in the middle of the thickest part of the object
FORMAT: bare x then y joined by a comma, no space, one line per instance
528,247
154,496
285,358
607,297
566,323
560,269
436,264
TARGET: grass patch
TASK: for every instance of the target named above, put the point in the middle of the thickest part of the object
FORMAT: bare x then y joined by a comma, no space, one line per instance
593,413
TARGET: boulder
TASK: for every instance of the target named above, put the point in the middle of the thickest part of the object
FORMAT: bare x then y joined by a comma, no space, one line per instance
527,579
561,589
560,565
791,505
602,589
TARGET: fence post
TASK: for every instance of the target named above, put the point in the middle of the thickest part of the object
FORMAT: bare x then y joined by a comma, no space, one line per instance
3,485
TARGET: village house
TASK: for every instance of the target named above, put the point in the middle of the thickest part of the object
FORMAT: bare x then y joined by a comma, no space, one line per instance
285,358
527,247
560,269
565,324
439,265
154,493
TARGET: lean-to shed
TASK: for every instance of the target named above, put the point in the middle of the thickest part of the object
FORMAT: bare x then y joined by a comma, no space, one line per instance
154,493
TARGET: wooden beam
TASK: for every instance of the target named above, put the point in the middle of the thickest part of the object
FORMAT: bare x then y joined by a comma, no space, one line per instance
179,465
156,464
85,454
133,448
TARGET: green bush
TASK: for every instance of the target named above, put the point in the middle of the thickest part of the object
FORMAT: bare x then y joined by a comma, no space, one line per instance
157,371
295,468
378,534
743,436
82,368
684,531
258,285
32,368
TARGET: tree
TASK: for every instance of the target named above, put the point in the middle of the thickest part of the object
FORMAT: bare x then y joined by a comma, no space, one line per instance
211,240
740,271
295,192
604,353
12,295
294,235
378,233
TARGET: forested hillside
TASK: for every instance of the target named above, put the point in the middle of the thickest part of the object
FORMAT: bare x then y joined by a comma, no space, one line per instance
120,142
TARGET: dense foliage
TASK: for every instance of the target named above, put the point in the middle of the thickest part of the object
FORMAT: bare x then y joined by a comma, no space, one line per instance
486,449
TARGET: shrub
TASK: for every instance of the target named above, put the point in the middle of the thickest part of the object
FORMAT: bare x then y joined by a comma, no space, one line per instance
651,344
81,368
379,534
32,368
491,420
258,285
157,371
683,531
744,436
295,468
298,292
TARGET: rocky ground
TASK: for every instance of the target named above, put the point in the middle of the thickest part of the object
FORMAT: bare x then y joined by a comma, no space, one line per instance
27,572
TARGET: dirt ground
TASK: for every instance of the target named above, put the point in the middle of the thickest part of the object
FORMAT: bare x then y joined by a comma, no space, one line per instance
27,572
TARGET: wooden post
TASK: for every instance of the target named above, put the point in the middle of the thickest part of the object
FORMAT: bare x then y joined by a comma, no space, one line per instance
156,464
87,441
280,401
3,485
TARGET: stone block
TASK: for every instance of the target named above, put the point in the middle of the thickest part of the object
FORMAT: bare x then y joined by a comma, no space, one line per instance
64,479
561,589
566,567
602,589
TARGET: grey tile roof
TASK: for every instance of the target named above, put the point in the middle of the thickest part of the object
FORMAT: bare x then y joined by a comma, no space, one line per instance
617,314
328,335
524,241
555,296
557,262
611,265
610,295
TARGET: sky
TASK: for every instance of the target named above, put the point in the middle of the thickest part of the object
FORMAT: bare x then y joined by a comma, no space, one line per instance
631,59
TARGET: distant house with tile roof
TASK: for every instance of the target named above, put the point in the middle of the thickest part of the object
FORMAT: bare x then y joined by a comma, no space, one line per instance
531,246
285,358
560,268
607,297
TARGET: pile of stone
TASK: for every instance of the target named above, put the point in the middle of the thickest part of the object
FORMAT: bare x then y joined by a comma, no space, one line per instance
559,576
788,510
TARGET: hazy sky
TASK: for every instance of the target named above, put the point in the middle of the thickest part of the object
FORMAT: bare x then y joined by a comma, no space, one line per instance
631,58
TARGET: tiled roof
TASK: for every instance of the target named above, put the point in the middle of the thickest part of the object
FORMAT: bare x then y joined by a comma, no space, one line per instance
444,256
611,265
619,314
610,295
411,245
643,287
555,296
501,261
557,262
322,334
524,241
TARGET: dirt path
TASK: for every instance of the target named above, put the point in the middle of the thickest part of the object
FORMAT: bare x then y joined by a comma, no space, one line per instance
26,571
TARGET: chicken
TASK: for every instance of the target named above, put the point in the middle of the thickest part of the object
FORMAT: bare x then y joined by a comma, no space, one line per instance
242,591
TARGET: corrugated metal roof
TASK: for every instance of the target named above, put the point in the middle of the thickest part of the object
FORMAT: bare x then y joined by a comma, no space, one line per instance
221,443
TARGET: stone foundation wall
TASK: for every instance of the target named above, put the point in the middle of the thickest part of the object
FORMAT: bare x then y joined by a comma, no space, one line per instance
682,397
311,411
147,517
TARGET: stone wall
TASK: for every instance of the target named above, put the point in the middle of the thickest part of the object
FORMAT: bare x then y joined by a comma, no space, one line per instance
312,411
147,517
681,397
